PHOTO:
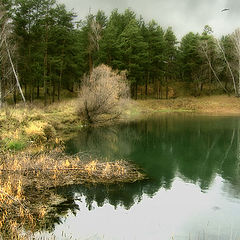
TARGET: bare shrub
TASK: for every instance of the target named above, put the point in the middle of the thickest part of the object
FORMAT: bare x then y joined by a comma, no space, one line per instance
103,95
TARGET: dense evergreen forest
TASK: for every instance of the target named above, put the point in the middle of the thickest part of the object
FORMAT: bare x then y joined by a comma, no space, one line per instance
50,50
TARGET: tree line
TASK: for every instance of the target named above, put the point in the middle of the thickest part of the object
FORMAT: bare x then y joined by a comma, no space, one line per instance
52,51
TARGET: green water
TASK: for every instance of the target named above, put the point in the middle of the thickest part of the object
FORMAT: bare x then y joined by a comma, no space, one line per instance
193,191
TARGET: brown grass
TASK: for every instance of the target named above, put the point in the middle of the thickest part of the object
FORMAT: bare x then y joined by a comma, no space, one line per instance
220,105
34,125
26,179
67,169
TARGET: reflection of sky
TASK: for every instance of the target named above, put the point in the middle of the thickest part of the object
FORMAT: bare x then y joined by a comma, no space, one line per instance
193,166
178,212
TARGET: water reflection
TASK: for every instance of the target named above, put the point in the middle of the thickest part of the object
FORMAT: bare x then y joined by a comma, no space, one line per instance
194,147
199,150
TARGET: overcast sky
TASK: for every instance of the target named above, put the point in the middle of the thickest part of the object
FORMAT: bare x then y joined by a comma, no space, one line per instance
183,15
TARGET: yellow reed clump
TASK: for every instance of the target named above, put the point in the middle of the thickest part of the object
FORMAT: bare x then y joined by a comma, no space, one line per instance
120,170
35,131
67,164
91,167
42,212
19,190
106,170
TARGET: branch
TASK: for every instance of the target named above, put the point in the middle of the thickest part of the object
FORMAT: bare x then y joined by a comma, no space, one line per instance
210,65
14,199
228,65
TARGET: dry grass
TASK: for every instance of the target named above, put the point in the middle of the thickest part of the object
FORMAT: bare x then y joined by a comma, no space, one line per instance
67,169
25,180
220,105
23,126
13,210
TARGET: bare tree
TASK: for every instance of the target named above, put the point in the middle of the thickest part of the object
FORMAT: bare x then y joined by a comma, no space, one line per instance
221,48
94,36
231,64
103,95
204,50
236,42
7,68
2,33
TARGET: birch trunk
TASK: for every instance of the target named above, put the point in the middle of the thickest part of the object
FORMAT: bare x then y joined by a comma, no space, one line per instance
214,72
14,71
236,42
229,67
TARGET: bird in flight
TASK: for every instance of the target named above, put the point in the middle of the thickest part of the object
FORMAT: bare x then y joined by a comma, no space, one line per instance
225,9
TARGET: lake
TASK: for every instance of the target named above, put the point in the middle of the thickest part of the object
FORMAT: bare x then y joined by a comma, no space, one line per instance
193,191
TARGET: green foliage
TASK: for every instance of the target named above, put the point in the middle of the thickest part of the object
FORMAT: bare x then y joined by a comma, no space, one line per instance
132,50
189,55
54,52
154,35
45,34
16,144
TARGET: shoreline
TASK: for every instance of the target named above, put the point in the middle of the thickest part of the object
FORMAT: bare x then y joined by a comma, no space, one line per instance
33,127
218,105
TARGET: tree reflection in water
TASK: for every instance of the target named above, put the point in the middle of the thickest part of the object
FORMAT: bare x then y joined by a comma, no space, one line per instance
197,148
193,148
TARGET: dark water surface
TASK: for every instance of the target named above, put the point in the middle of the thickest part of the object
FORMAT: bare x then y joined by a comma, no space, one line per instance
193,191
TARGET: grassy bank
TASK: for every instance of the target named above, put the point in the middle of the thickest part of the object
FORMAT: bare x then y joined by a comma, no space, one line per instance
33,126
217,105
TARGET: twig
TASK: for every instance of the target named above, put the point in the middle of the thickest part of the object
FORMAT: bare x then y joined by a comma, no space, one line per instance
14,199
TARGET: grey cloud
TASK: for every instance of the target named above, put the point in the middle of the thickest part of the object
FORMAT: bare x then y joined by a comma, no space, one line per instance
183,15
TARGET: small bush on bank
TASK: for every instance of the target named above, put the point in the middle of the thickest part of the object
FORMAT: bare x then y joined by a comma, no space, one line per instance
49,132
40,132
34,131
102,95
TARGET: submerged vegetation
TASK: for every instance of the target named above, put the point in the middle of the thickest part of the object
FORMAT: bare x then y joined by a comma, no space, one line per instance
26,180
